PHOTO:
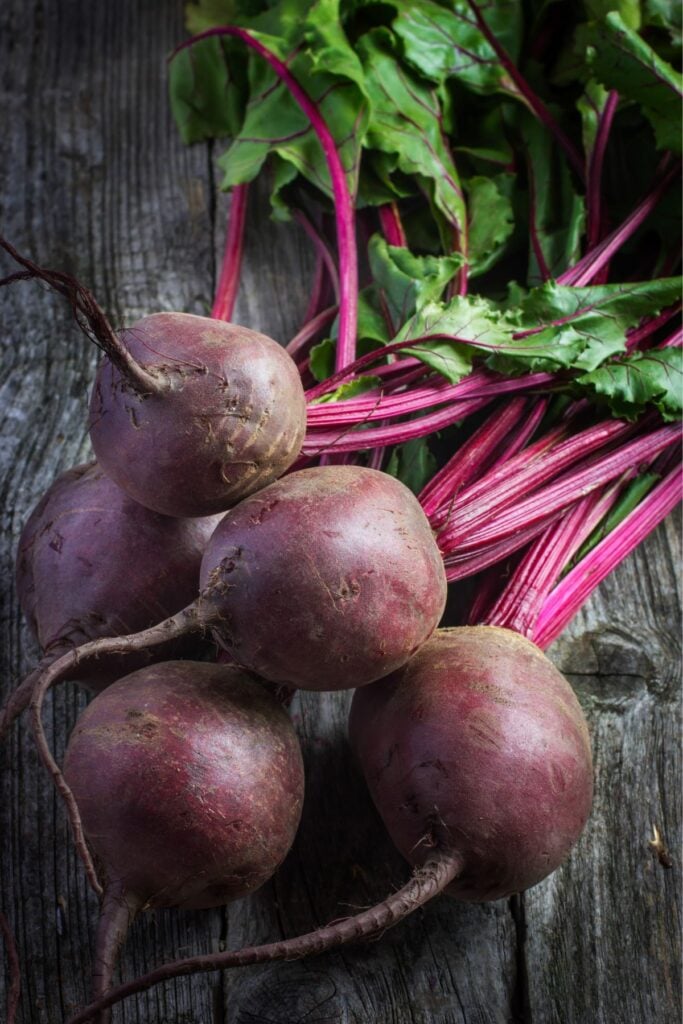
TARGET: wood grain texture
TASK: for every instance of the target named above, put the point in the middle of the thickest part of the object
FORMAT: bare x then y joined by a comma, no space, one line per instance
93,179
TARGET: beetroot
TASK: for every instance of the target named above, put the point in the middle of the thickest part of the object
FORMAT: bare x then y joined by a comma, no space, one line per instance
478,746
91,562
226,415
478,759
189,780
188,414
327,579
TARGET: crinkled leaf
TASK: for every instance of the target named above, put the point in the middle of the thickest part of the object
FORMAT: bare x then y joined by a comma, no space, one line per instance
207,90
491,221
412,463
408,282
470,319
406,122
666,14
620,59
372,325
573,328
451,359
626,304
444,43
331,53
629,10
274,122
636,382
585,326
310,39
322,359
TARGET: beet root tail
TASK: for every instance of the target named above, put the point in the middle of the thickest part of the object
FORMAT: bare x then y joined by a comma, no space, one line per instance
426,883
88,314
185,621
20,699
117,913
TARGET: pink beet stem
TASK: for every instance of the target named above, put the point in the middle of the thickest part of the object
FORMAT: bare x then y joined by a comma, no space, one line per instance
392,228
518,438
577,586
226,293
308,332
349,440
637,335
583,272
674,340
321,248
533,467
461,563
343,204
520,602
470,459
595,165
575,484
356,410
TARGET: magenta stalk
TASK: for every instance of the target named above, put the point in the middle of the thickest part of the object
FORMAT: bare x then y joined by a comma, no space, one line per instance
308,332
564,491
343,204
470,461
321,248
392,228
577,586
228,284
594,171
585,270
520,602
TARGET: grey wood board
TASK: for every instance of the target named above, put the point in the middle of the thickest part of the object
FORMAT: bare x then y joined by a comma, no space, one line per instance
94,179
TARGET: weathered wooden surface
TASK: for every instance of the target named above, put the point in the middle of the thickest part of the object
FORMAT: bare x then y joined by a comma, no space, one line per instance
93,179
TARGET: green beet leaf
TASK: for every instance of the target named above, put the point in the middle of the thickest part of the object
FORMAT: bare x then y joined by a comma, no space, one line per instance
208,89
409,282
620,59
445,42
412,463
634,383
406,122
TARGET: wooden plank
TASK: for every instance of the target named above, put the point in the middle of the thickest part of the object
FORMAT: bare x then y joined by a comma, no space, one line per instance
603,942
94,179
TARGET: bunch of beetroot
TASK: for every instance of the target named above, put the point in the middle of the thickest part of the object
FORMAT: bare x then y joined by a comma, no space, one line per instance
230,508
183,779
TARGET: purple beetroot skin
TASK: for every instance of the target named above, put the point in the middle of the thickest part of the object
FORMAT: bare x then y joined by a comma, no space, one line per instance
189,780
224,414
477,746
91,562
327,579
477,756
